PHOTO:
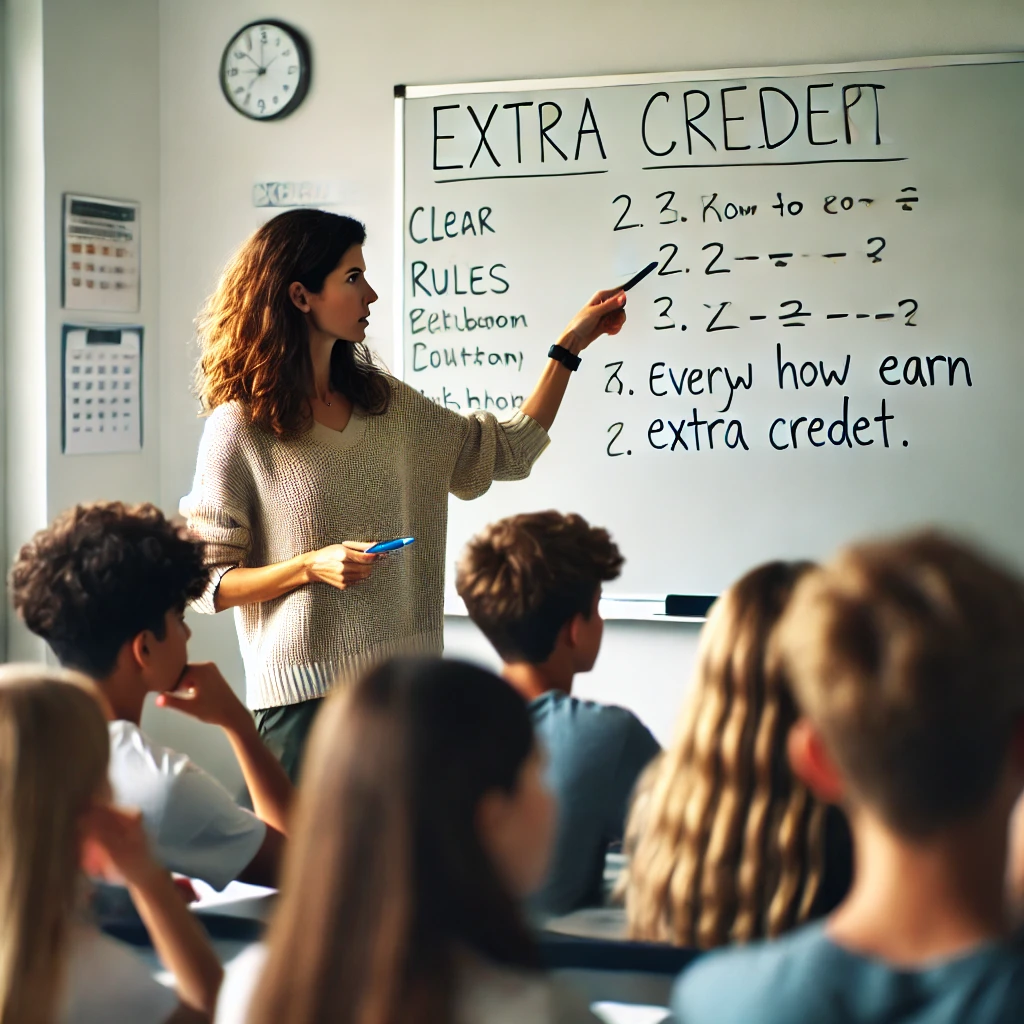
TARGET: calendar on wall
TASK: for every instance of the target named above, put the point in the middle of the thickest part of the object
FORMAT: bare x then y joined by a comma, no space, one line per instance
101,254
102,389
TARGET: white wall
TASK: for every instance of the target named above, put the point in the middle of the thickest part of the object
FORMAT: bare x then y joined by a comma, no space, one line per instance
76,119
24,319
210,158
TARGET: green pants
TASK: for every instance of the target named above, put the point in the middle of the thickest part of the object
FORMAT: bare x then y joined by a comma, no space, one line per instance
285,730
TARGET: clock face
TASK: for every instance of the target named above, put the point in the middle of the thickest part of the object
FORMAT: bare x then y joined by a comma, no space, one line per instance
264,72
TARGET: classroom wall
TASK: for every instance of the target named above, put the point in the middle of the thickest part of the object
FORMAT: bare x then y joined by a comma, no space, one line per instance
24,268
81,113
343,134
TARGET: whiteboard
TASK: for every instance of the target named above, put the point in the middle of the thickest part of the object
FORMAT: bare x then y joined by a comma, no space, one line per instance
831,344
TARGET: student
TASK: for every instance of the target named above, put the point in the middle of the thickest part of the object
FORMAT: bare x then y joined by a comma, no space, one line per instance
725,843
907,661
422,820
532,584
55,817
106,586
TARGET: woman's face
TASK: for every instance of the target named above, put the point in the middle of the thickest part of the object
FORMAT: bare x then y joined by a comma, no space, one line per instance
342,309
518,829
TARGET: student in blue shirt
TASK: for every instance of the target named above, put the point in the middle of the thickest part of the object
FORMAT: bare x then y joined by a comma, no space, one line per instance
532,584
907,662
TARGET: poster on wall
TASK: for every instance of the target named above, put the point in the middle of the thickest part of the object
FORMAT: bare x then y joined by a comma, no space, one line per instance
101,389
101,254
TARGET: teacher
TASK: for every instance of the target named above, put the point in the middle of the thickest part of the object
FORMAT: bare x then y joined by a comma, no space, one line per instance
311,453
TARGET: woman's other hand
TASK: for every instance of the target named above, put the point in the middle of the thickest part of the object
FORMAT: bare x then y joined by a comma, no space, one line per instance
341,565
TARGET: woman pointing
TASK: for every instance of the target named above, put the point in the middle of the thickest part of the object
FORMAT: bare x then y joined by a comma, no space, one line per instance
311,454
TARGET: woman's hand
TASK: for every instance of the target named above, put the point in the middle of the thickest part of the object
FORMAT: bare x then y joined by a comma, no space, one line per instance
603,314
341,565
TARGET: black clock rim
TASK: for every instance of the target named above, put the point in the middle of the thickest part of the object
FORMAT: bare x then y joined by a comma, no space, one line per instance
305,69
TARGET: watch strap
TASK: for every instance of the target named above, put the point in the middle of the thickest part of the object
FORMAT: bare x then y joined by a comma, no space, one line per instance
564,356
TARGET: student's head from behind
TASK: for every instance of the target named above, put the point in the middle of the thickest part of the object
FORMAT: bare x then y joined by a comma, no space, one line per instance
532,584
106,586
303,270
725,842
54,749
422,820
907,660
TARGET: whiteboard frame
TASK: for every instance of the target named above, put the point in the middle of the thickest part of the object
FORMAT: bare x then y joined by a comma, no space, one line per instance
415,92
637,607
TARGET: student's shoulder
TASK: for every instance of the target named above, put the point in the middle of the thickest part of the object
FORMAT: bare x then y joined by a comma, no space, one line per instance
106,981
586,714
731,986
241,977
487,993
132,744
142,772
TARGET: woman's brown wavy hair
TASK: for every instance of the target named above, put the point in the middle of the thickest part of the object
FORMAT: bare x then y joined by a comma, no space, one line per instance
726,844
254,340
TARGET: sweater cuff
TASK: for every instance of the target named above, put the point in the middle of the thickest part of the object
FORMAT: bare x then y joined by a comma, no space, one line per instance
526,436
205,602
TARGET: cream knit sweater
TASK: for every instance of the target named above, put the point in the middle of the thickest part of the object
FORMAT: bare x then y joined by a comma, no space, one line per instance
257,500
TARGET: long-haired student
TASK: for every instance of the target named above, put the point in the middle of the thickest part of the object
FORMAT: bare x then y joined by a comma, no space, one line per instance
311,453
727,844
56,819
422,821
906,658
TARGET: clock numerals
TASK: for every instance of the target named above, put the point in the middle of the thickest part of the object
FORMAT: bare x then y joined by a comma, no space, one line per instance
265,70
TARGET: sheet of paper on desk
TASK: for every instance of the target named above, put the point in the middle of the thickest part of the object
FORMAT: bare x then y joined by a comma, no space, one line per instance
628,1013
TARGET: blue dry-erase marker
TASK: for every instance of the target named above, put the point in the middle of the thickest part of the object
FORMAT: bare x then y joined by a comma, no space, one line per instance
389,545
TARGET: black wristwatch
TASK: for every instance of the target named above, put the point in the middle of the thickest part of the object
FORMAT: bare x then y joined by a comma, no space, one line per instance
564,356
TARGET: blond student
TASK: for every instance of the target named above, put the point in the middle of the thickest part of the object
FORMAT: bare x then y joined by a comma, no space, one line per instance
726,844
55,818
532,583
907,660
422,821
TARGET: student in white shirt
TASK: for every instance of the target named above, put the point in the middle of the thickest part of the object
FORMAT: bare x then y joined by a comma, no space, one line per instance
106,586
422,821
55,819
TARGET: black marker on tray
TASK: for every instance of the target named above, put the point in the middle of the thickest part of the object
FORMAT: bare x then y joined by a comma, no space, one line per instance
636,279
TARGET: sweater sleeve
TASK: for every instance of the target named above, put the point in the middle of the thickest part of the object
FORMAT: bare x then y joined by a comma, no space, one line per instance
492,449
217,508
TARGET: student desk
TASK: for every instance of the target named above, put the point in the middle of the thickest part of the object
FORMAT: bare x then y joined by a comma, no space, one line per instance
625,982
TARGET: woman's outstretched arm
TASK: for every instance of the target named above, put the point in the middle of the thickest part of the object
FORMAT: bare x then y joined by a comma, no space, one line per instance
604,314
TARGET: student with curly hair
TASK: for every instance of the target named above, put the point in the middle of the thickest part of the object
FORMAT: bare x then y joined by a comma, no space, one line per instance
106,586
311,453
907,661
726,844
56,819
532,583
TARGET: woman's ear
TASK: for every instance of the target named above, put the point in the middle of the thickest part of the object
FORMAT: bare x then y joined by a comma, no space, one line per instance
298,295
812,764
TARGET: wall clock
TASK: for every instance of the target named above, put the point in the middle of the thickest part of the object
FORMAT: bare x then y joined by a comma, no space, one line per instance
265,70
